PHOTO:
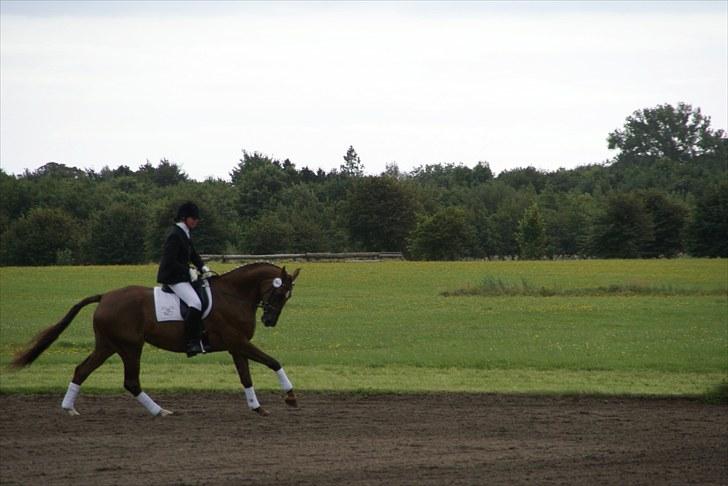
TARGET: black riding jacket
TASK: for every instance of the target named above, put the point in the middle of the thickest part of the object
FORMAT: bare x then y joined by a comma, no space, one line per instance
177,253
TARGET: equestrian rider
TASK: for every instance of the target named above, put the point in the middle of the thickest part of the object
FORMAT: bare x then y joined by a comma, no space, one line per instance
176,273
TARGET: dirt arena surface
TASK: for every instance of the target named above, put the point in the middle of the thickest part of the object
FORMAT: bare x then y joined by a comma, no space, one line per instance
337,439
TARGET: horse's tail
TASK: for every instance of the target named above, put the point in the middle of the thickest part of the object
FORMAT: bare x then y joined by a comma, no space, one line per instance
45,338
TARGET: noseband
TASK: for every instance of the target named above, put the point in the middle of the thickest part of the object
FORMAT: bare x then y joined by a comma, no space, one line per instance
265,303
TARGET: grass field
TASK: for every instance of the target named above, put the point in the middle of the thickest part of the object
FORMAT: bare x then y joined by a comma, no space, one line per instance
657,327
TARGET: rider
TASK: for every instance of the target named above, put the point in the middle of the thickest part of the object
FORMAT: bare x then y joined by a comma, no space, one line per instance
175,272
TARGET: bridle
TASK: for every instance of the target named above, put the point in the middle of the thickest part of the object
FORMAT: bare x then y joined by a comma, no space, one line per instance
264,302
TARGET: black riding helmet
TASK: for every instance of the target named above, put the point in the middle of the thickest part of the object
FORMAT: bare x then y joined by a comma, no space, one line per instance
188,210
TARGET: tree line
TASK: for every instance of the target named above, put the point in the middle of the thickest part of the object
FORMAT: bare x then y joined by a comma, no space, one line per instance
664,194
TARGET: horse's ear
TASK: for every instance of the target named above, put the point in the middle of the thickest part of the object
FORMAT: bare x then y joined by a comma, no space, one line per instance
294,276
283,272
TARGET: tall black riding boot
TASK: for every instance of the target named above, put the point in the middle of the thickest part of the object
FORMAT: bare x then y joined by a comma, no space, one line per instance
193,332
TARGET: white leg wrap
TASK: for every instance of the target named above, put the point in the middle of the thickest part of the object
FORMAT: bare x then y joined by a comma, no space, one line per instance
148,403
251,398
69,401
284,381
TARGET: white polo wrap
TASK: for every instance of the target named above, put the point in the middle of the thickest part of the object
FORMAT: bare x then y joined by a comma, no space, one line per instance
251,398
149,404
69,401
286,384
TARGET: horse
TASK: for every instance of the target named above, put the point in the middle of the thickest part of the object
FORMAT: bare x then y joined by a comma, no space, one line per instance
125,320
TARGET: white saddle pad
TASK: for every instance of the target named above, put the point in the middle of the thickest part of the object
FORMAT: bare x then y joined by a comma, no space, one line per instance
167,307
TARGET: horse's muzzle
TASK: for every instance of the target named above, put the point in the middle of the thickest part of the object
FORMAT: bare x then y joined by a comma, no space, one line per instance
270,316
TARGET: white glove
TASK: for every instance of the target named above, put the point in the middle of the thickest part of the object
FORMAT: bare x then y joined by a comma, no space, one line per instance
206,272
194,275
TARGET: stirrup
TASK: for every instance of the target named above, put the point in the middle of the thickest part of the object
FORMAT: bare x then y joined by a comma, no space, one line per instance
196,346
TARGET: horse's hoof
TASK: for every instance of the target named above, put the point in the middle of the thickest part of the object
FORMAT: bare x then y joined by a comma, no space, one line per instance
261,411
71,411
291,400
164,413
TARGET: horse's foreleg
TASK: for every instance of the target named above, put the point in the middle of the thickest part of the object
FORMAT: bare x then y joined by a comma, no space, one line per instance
252,352
93,361
131,358
241,364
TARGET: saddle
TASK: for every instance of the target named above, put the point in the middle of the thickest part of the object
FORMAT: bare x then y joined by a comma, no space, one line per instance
169,307
199,286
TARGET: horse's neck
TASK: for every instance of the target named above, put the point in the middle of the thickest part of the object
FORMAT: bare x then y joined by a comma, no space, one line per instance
246,280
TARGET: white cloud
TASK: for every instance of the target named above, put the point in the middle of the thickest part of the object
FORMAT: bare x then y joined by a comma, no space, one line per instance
512,86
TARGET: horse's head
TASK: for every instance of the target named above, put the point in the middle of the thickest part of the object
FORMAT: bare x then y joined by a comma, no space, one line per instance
276,291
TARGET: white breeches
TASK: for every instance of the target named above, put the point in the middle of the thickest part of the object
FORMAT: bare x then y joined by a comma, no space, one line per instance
188,295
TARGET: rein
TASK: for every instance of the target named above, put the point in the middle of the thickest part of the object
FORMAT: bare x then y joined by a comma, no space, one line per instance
238,298
264,301
260,304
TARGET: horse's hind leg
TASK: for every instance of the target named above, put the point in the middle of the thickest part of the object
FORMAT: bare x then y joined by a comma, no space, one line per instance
94,360
131,356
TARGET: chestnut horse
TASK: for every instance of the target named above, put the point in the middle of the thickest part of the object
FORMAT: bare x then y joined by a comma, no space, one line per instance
125,319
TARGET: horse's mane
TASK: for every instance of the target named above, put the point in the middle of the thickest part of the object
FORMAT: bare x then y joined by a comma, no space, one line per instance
250,267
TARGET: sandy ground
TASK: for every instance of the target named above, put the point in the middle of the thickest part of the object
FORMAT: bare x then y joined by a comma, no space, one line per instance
337,439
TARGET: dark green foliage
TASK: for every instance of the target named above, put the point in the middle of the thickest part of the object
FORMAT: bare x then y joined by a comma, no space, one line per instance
709,229
524,178
680,133
258,180
567,219
299,223
268,234
165,174
446,235
663,195
623,228
450,176
504,223
42,237
352,165
117,235
669,219
15,199
531,235
381,214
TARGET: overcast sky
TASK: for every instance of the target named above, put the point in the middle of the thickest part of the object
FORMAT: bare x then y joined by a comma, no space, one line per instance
90,84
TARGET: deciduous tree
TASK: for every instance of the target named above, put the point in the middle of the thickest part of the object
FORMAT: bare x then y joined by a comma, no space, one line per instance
623,228
709,229
446,235
381,214
45,236
677,133
531,235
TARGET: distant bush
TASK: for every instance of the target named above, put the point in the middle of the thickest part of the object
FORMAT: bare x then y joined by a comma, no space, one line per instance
709,230
446,235
43,237
117,235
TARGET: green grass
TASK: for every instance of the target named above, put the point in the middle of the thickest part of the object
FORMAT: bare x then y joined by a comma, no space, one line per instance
662,329
495,287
